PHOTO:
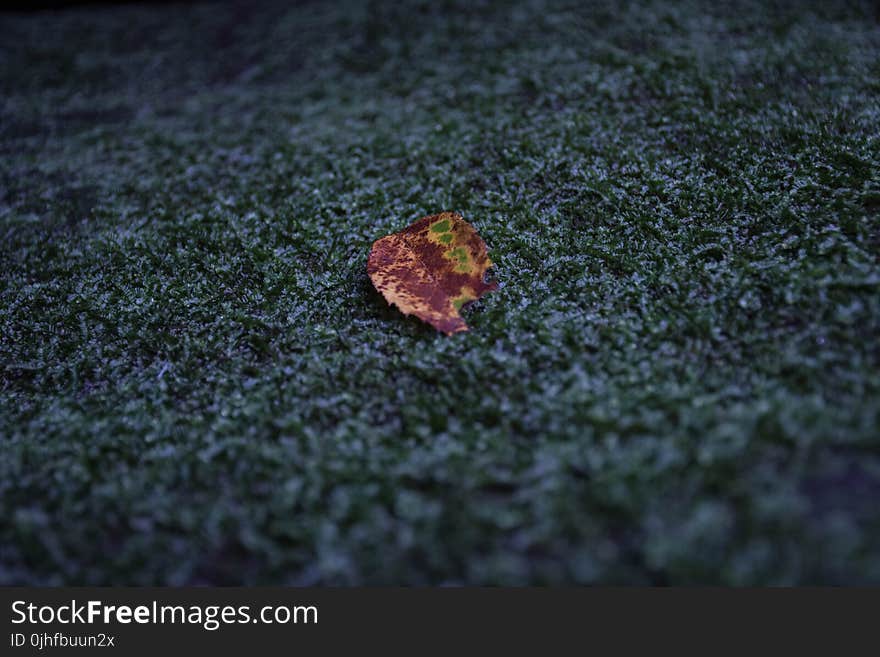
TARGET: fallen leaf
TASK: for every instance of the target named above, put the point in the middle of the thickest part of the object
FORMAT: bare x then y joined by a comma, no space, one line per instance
431,269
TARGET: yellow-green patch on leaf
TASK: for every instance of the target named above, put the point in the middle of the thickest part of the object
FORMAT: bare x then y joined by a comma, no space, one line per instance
431,269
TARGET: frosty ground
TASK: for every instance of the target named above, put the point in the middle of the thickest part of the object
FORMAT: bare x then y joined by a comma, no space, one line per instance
677,381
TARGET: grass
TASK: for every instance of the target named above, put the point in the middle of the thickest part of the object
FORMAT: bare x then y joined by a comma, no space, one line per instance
677,381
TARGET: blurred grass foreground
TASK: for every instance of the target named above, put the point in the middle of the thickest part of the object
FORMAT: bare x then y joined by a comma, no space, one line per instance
676,383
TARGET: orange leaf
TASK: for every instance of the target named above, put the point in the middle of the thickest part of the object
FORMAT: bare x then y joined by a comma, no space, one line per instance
431,269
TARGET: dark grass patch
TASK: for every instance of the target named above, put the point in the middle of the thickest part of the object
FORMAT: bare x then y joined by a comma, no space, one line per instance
677,381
